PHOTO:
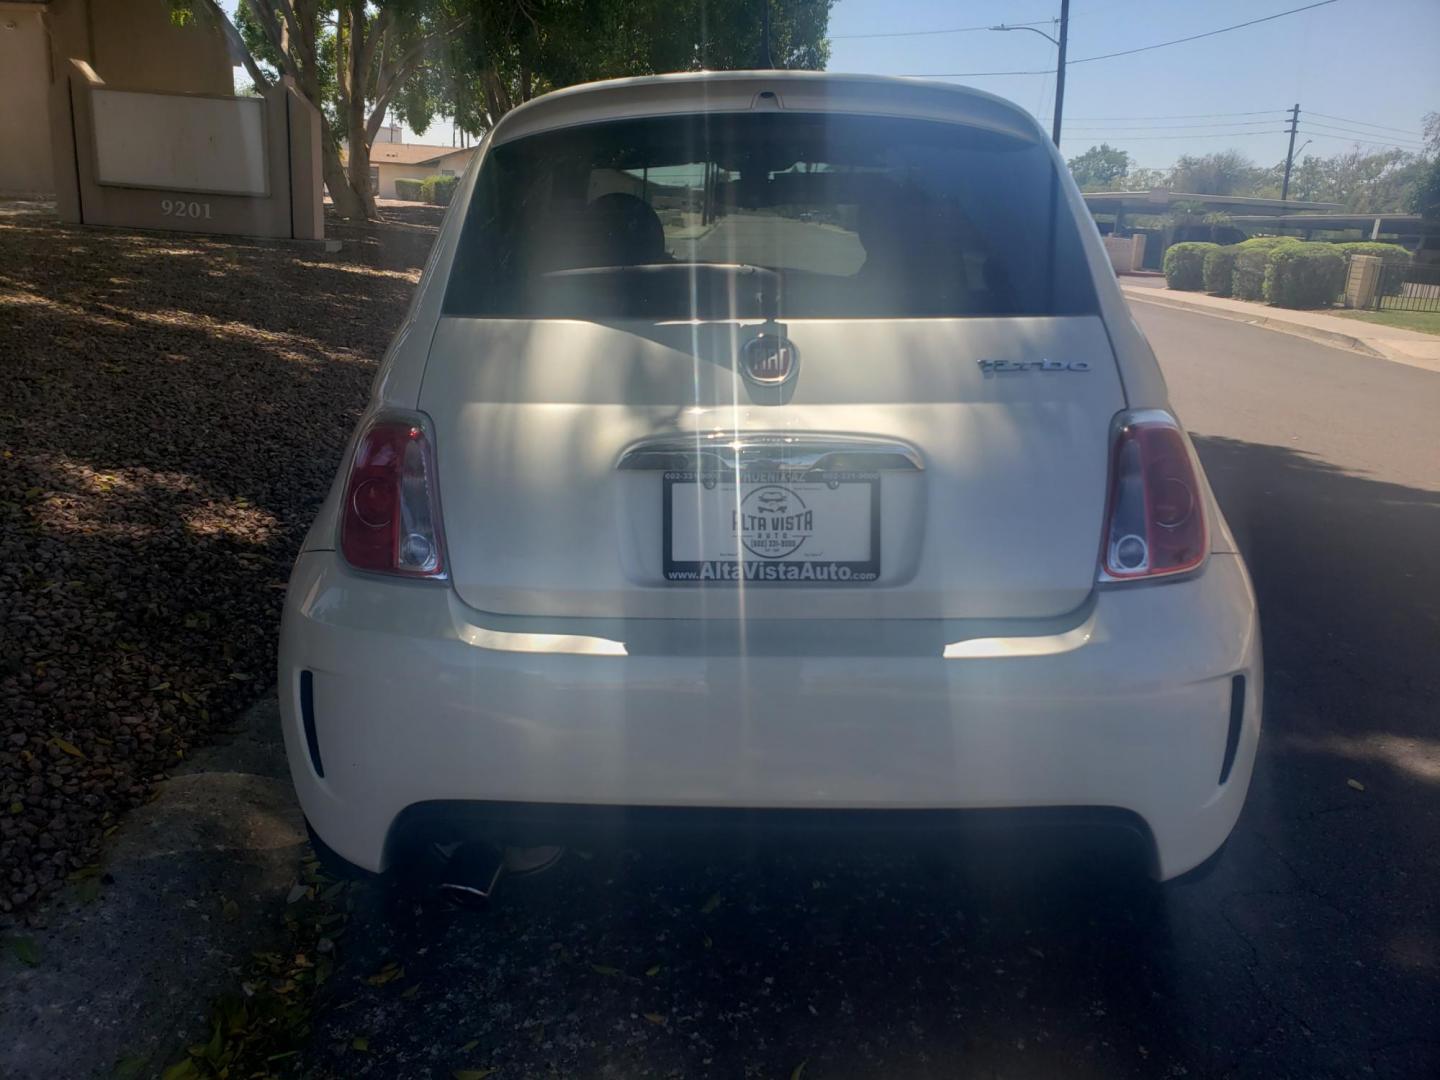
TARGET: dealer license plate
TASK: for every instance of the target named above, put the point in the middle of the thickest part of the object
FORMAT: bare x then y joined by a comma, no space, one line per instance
765,527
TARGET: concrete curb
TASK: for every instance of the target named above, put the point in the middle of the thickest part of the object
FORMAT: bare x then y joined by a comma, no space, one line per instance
1268,322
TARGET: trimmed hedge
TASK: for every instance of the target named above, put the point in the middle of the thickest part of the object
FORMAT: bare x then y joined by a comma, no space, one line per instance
1220,269
1247,279
1388,252
409,189
439,189
1304,275
1185,264
1265,243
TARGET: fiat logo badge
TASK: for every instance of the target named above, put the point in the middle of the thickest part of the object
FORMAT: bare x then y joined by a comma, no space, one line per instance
769,359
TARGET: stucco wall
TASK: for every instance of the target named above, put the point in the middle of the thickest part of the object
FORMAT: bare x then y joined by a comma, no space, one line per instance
390,173
24,89
136,46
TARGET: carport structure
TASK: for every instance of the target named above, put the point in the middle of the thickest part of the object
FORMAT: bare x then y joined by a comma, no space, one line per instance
1113,209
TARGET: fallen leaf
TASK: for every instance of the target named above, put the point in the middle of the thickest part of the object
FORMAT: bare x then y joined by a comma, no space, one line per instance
388,973
469,1046
25,950
471,1074
799,1070
711,904
410,991
127,1068
181,1070
656,1019
67,747
297,892
361,1043
602,969
1356,785
653,970
230,910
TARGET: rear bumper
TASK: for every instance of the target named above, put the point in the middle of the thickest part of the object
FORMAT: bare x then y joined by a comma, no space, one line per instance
416,699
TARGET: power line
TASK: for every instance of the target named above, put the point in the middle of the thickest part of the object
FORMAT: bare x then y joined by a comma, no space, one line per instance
1139,49
1188,116
927,33
1351,139
1208,135
1207,34
1175,127
1364,123
1327,129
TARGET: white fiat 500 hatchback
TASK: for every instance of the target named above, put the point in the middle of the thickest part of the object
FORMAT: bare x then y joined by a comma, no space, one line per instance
768,442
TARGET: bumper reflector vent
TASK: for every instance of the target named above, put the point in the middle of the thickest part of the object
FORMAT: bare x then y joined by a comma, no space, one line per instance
1237,716
312,739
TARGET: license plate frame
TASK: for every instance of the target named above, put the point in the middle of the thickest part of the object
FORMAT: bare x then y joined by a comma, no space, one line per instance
765,556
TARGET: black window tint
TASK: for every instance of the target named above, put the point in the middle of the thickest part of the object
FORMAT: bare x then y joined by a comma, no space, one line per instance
716,216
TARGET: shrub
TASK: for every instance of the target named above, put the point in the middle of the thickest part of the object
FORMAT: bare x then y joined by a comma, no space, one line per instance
1247,280
1185,265
1388,252
439,189
1304,275
408,189
1265,243
1220,268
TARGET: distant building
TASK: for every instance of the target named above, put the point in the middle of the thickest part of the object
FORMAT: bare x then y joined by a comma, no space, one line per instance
411,161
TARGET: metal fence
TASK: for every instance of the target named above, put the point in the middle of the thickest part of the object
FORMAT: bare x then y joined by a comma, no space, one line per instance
1405,286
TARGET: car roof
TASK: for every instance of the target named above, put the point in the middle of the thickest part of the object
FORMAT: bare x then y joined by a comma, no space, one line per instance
759,91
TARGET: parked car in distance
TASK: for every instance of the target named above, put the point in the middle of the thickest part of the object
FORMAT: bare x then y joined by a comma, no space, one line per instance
768,441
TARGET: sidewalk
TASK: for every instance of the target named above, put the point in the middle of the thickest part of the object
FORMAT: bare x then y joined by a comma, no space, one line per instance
1389,343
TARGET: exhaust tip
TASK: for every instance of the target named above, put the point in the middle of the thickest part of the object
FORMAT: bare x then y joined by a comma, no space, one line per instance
473,871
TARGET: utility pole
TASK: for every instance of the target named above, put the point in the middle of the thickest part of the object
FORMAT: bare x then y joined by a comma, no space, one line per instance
1060,70
1290,153
1060,44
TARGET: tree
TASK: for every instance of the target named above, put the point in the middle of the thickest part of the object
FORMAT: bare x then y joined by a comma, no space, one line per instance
1225,172
358,60
1425,195
1100,167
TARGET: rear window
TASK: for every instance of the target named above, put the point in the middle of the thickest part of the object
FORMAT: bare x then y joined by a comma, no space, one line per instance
717,216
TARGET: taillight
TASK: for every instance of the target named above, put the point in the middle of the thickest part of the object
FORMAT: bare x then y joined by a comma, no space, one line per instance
1156,523
390,522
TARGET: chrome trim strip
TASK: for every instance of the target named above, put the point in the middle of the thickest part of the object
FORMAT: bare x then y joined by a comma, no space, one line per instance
1000,648
810,452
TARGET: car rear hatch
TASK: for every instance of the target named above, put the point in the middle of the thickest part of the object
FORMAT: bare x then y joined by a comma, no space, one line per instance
765,365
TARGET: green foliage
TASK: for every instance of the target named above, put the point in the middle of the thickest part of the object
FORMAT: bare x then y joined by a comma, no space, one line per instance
1219,269
1265,243
1100,168
1247,279
1424,197
438,189
1304,275
1389,252
1225,172
1185,265
411,190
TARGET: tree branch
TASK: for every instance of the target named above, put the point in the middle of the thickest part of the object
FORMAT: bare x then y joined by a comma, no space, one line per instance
237,44
271,28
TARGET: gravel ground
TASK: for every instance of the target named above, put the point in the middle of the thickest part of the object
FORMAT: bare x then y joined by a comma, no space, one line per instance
173,411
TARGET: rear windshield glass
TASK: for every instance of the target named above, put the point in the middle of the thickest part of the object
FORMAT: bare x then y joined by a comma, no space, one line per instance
717,216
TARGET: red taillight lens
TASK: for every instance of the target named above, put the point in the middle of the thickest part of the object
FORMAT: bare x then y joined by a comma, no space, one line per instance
390,522
1156,522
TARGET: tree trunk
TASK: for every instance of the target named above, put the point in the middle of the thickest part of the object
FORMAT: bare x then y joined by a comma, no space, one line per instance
347,203
352,108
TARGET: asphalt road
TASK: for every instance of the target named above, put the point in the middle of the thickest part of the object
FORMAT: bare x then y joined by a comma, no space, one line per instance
1311,950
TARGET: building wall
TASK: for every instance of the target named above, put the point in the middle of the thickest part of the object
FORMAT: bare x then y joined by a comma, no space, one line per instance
136,46
389,173
24,89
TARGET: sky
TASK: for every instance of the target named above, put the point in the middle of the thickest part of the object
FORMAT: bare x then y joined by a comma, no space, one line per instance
1371,66
1370,62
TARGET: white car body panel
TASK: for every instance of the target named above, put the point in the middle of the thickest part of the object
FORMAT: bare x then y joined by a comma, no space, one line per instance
984,669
